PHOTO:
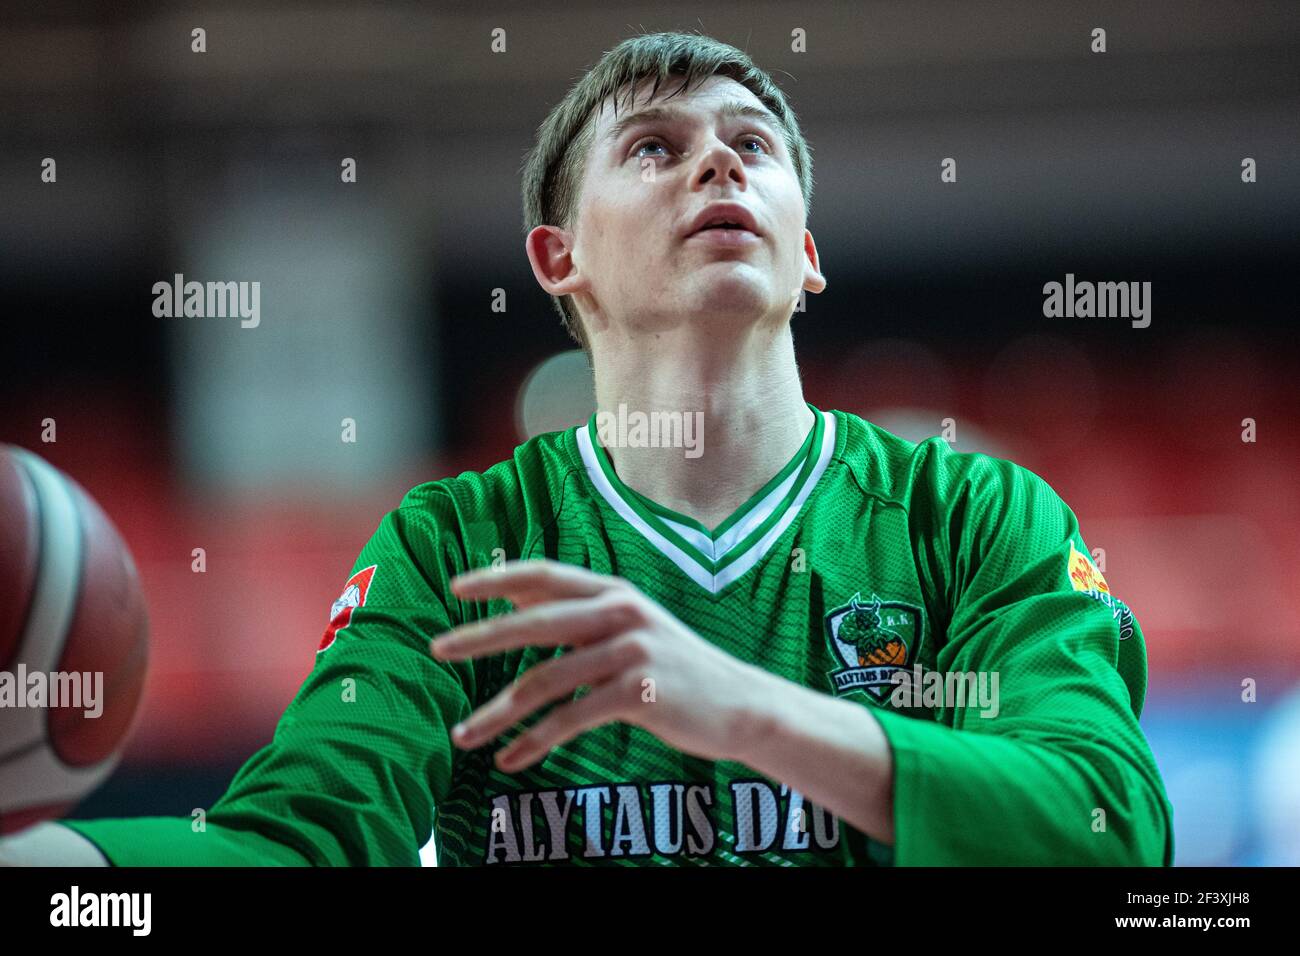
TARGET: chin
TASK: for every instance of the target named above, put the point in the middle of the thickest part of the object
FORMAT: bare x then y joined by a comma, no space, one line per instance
737,297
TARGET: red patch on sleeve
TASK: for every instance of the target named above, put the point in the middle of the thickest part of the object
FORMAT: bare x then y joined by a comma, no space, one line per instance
353,596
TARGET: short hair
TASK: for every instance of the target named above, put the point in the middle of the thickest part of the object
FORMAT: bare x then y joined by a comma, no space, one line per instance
554,167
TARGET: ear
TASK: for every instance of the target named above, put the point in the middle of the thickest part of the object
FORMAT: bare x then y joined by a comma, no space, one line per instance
550,253
813,280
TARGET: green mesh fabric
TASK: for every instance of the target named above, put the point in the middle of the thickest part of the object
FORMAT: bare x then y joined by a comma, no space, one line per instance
921,555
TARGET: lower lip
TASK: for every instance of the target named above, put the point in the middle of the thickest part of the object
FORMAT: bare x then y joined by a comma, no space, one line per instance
725,237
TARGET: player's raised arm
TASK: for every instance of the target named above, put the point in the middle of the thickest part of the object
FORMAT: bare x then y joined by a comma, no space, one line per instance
1059,772
1038,759
362,754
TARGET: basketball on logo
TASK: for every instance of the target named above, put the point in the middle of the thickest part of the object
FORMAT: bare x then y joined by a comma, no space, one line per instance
894,652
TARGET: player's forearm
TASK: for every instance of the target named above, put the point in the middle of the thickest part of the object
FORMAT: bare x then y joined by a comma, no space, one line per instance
976,798
174,841
832,751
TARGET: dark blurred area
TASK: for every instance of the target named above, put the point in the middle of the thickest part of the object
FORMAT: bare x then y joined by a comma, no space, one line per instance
377,306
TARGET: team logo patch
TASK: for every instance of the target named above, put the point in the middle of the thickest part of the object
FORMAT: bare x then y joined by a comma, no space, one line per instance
353,596
873,639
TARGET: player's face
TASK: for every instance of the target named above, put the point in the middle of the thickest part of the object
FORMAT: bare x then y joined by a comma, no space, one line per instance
652,172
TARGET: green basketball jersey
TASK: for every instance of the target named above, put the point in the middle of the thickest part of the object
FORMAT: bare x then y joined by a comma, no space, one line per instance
870,568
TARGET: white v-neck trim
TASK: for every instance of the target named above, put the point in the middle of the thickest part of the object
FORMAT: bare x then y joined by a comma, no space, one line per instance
714,583
738,531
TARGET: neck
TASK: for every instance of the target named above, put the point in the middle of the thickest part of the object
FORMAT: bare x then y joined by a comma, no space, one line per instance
752,416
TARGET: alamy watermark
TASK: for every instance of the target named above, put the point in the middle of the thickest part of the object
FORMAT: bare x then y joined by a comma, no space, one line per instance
74,689
948,689
624,429
1101,300
209,300
132,911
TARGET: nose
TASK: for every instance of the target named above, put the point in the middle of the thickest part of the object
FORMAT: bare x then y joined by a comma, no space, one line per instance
719,164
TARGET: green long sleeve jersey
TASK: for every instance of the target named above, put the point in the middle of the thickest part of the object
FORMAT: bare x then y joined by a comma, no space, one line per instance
949,594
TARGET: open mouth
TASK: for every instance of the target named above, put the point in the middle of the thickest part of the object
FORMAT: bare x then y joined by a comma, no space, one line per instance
724,221
724,234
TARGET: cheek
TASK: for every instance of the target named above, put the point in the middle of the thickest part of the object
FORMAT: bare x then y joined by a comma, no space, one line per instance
792,212
619,236
792,231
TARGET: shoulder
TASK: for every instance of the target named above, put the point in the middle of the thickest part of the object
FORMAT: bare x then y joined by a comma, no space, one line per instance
507,499
447,526
930,476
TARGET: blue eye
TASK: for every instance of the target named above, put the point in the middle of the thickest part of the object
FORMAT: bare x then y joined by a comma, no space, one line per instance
650,143
655,143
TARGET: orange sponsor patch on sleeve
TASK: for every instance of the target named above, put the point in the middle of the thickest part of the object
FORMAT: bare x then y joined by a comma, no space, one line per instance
1084,575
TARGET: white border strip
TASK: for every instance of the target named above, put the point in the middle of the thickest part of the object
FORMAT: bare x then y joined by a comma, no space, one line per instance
711,583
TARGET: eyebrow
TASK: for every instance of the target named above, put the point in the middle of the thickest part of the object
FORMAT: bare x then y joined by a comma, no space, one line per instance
652,114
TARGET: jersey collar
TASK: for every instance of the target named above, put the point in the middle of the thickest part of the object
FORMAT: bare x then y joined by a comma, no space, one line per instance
713,559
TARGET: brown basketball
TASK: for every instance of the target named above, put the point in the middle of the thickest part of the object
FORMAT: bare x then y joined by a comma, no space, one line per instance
892,653
75,624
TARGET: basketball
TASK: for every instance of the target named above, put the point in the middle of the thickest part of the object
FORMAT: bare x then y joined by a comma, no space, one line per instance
73,642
